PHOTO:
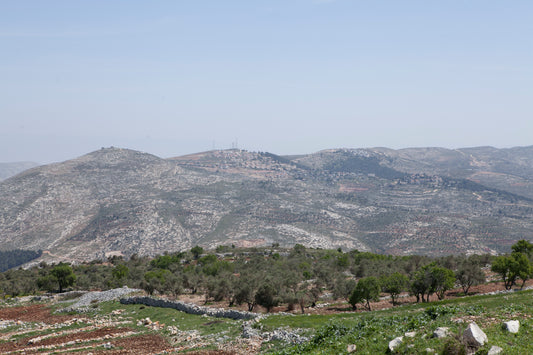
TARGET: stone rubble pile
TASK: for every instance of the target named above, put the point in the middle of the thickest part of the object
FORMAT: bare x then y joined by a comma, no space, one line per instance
285,335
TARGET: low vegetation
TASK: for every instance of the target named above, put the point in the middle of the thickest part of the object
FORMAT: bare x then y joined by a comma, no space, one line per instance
299,279
371,332
268,277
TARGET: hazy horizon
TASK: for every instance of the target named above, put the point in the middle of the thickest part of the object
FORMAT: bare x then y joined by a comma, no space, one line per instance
288,77
242,148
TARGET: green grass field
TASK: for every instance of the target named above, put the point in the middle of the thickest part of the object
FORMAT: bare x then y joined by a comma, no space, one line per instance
370,332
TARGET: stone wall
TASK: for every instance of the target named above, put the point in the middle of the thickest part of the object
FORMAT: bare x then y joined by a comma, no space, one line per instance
189,308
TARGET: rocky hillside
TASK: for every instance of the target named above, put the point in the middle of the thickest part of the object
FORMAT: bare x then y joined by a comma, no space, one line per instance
428,200
11,169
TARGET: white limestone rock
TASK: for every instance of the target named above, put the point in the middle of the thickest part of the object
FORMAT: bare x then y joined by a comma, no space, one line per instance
474,336
512,326
441,332
394,343
495,350
351,348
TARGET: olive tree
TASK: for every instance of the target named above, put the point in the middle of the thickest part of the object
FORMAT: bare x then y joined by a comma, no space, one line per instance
366,290
468,274
63,275
512,267
394,284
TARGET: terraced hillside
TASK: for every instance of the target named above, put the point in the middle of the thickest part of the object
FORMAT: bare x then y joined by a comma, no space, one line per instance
118,201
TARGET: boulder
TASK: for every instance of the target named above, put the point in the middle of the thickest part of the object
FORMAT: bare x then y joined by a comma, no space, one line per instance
441,332
410,334
512,326
495,350
394,343
474,336
351,348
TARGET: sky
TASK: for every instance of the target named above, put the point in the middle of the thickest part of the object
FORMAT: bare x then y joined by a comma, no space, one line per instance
284,76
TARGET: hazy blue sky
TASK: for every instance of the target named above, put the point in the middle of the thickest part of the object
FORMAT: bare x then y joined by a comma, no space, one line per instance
287,76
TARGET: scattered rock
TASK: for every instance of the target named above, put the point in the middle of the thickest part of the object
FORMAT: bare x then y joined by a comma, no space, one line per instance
410,334
512,326
430,351
173,330
394,343
441,332
474,336
351,348
285,336
248,332
495,350
108,346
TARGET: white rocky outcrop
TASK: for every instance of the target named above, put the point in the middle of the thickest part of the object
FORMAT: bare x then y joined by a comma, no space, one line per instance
512,326
474,336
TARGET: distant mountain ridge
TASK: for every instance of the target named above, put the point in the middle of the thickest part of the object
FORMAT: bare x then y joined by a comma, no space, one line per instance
11,169
418,200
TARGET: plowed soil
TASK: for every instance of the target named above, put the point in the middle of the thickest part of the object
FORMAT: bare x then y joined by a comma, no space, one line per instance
77,341
33,313
79,337
142,344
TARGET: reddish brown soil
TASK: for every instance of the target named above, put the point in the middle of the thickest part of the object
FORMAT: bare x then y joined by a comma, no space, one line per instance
83,336
211,352
384,304
33,313
142,344
343,307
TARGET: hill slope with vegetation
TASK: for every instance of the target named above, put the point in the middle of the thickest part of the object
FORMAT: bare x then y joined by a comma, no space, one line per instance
303,301
417,201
